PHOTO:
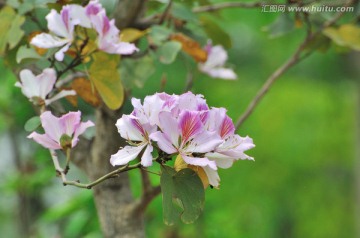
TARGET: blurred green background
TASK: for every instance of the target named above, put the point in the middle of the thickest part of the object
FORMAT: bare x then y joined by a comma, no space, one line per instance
302,183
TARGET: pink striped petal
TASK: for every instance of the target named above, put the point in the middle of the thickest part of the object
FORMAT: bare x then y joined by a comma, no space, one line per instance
129,129
190,125
52,126
169,126
163,142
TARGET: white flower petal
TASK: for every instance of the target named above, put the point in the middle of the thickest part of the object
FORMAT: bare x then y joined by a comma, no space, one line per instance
202,162
213,176
204,142
222,73
59,56
125,155
29,84
146,159
47,41
61,94
222,161
128,130
57,25
163,142
46,81
79,13
125,48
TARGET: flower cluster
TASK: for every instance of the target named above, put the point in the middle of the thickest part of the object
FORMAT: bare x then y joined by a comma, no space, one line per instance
60,133
184,126
62,26
37,88
214,65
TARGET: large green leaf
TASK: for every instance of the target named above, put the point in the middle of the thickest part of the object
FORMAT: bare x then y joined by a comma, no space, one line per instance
159,34
25,52
10,28
187,189
215,32
134,72
106,79
167,52
281,26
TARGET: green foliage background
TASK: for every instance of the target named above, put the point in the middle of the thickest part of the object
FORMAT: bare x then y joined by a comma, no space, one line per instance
301,184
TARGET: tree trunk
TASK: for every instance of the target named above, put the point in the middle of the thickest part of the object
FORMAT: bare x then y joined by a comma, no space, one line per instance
114,201
118,211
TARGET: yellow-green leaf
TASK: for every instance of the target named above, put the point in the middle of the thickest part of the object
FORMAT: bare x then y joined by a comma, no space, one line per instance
106,79
10,28
347,35
131,34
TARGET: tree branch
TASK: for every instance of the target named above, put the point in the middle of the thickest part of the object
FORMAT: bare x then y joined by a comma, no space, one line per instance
293,60
219,6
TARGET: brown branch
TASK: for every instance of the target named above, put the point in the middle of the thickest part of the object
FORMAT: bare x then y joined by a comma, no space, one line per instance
145,200
293,60
165,13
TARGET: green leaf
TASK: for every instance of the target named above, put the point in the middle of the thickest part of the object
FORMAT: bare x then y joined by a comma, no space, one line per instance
26,53
167,52
10,28
215,32
32,124
134,72
181,12
186,187
347,35
106,79
159,34
281,26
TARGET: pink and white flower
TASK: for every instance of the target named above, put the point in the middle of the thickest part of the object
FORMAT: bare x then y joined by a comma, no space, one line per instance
60,133
109,35
214,65
61,27
182,126
130,128
186,136
37,88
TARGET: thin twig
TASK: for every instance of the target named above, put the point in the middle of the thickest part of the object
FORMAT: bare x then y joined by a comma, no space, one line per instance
294,59
165,13
103,178
216,7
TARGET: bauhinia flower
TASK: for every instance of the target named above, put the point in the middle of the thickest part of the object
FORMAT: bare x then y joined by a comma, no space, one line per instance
133,130
201,138
60,133
214,65
186,136
37,88
62,30
109,35
61,27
